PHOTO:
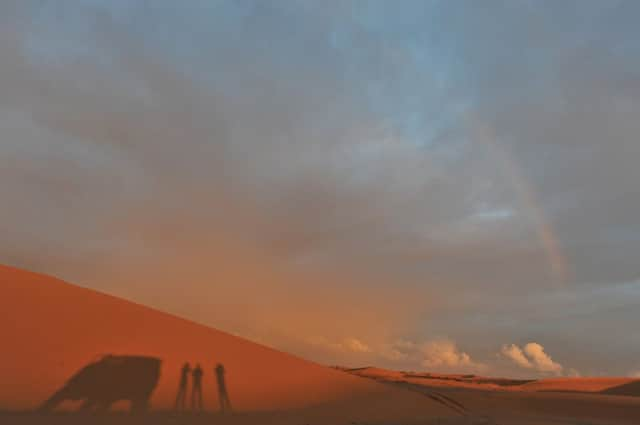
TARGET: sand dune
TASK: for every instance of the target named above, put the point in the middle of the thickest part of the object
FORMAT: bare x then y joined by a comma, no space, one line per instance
570,401
49,329
604,385
439,379
590,385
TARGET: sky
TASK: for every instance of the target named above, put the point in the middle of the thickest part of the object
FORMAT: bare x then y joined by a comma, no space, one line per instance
421,185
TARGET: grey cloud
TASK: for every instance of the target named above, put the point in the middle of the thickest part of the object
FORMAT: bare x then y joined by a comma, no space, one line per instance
164,144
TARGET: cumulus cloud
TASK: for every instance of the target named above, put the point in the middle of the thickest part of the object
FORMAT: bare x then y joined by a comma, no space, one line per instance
347,345
393,354
533,356
356,345
438,355
515,353
445,354
540,359
399,350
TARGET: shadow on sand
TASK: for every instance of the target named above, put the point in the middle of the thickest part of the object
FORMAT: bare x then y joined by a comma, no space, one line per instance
109,380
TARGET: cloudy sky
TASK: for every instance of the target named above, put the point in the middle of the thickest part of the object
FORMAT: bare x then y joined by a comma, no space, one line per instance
441,185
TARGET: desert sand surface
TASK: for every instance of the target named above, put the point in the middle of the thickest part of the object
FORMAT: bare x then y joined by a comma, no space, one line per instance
576,401
618,385
50,329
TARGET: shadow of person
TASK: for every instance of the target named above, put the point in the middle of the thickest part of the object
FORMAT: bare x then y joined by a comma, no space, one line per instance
196,391
223,395
108,380
181,397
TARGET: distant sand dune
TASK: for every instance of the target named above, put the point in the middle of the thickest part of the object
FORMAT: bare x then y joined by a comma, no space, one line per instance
605,385
628,389
558,401
590,385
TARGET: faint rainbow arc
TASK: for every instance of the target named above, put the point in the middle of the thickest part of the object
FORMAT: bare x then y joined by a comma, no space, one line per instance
526,194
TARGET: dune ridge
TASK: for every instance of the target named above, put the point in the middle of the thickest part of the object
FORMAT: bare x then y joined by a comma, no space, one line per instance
605,385
51,328
567,401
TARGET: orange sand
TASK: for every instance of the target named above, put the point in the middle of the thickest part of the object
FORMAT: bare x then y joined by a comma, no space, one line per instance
50,329
587,384
566,401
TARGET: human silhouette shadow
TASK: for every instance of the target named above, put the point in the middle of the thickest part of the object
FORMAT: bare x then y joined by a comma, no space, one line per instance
181,397
196,391
108,380
223,394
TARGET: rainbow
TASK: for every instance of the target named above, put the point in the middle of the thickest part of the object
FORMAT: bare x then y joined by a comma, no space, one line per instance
526,195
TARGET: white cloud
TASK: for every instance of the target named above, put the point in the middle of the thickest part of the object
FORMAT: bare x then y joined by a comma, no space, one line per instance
436,355
393,354
533,356
515,353
350,344
399,350
355,345
542,360
445,353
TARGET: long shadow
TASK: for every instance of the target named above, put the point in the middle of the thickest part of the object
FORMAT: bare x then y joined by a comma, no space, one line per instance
108,380
181,397
196,391
223,394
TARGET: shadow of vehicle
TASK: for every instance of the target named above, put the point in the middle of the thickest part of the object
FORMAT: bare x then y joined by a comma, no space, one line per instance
108,380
